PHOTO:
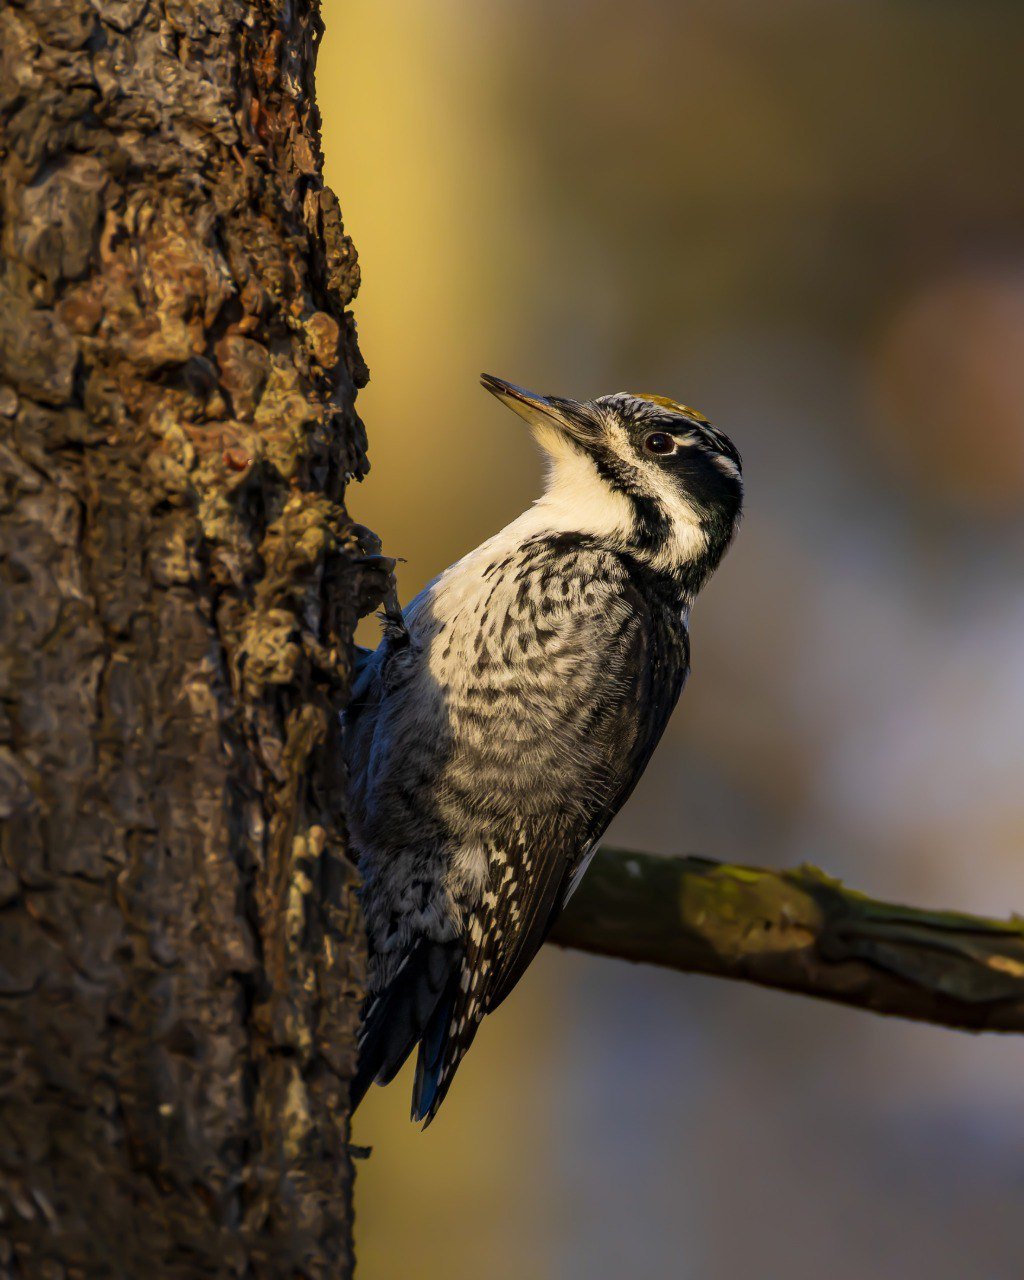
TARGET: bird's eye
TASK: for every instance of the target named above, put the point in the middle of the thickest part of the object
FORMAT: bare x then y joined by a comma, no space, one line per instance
659,442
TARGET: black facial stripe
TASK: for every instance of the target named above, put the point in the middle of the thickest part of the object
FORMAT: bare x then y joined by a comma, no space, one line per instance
651,526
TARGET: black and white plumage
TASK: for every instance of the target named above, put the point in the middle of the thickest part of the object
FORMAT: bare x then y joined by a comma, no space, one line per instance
492,738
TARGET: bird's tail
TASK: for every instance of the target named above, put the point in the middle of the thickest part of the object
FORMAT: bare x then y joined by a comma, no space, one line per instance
448,1035
414,1003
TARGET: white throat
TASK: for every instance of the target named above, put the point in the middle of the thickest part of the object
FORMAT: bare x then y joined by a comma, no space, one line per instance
575,498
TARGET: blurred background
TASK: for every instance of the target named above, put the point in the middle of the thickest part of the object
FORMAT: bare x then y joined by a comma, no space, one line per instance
806,219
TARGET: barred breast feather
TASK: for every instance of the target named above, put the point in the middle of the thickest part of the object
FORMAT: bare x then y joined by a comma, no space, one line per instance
488,751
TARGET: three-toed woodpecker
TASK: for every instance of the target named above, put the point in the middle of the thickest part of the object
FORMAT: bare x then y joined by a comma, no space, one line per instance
497,730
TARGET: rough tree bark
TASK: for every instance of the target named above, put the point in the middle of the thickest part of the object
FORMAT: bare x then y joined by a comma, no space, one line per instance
180,958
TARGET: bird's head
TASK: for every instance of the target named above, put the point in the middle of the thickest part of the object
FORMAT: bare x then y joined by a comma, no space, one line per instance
641,470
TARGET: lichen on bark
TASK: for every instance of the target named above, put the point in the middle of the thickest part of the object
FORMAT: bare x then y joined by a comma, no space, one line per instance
180,954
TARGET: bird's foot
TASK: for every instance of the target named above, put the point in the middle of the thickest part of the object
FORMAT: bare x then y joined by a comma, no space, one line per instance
379,585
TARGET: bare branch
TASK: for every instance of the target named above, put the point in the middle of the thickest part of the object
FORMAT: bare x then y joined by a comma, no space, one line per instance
800,931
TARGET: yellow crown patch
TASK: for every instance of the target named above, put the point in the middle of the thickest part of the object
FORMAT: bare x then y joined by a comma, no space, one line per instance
663,402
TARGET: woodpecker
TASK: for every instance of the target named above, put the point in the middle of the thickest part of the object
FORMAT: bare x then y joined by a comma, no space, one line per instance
506,717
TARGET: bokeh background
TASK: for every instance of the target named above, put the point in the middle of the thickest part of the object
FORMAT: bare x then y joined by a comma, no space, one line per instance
807,219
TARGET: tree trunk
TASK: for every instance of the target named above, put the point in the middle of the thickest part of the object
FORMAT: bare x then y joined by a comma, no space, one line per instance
180,951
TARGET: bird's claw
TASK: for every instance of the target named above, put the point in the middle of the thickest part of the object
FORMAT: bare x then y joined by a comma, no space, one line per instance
379,585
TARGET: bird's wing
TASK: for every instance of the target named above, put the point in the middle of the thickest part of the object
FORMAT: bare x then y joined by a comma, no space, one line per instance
617,699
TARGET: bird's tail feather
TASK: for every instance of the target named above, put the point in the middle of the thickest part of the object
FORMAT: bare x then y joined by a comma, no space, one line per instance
426,1089
398,1017
450,1032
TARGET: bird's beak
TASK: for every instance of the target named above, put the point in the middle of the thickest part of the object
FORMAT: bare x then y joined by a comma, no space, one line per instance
542,412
